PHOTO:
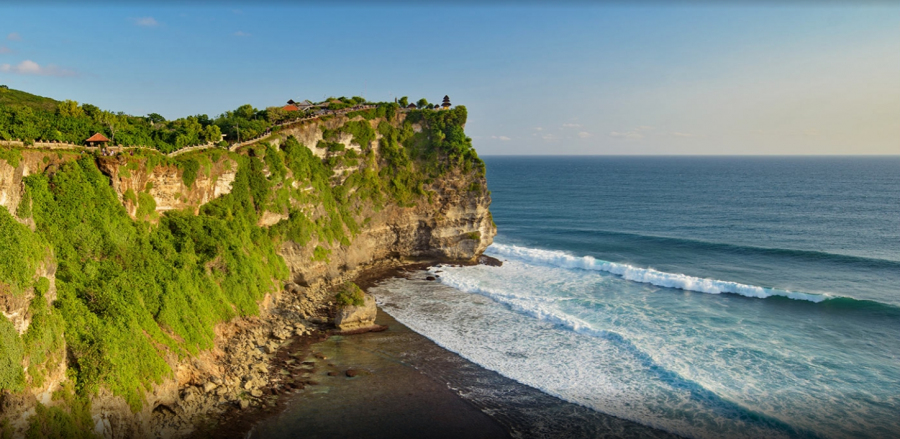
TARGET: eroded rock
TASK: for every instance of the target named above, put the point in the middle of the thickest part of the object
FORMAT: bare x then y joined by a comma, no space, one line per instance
353,317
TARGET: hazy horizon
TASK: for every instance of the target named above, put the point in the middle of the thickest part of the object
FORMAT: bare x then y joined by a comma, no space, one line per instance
613,79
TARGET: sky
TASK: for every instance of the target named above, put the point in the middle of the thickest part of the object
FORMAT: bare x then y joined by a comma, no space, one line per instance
607,78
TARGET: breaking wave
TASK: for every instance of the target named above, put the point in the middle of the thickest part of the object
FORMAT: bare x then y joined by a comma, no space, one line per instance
647,275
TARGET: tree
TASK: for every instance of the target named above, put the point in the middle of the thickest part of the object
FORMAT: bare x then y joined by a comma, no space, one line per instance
69,108
92,111
245,111
203,119
276,114
422,103
114,122
404,102
156,118
212,133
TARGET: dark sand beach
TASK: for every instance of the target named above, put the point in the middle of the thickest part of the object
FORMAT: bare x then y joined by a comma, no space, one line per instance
405,386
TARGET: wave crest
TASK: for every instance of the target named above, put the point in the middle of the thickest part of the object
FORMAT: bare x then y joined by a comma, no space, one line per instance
647,275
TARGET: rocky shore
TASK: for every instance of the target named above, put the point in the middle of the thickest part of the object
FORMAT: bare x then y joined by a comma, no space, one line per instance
257,361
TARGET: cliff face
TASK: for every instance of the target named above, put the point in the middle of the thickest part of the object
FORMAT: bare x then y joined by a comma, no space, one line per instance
165,183
29,162
361,198
455,226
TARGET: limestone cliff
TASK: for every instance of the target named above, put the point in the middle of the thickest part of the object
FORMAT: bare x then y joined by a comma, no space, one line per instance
165,183
334,195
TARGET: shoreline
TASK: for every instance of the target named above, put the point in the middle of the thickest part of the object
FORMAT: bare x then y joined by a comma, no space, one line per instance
402,385
289,366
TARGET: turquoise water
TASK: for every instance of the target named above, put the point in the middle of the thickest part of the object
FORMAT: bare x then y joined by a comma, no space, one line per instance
708,297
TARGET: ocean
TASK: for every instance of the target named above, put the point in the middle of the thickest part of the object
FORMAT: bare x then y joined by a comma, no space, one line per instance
739,297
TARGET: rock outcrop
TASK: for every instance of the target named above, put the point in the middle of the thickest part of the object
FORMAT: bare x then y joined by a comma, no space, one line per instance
352,317
165,182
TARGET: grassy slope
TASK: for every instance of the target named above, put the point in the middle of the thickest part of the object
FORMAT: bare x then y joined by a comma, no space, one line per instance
20,98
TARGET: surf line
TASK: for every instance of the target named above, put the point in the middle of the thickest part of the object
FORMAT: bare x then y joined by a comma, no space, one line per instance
645,275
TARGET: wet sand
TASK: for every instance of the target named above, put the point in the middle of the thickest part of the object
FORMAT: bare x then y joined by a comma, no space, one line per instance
386,398
405,386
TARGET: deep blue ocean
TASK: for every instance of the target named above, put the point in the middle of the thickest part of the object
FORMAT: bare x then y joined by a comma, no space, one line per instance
705,296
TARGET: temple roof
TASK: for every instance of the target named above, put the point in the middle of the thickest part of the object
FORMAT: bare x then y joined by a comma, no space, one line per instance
97,138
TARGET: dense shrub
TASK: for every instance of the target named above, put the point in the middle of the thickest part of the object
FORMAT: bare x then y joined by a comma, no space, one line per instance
21,251
12,376
129,292
57,423
189,170
350,295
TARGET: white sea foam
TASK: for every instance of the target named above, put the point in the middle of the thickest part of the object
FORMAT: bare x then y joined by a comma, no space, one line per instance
689,365
645,275
603,371
534,306
682,363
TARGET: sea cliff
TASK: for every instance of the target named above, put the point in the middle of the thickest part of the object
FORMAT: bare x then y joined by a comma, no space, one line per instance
142,293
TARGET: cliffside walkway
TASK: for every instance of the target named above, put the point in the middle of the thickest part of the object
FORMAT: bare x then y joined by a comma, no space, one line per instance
54,145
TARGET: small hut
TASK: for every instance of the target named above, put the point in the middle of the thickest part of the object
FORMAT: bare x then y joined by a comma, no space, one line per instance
97,138
446,103
411,106
290,107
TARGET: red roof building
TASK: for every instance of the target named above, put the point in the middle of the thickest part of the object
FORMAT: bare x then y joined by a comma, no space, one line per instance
290,107
96,138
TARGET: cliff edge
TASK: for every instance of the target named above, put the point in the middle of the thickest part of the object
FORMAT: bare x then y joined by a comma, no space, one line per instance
123,278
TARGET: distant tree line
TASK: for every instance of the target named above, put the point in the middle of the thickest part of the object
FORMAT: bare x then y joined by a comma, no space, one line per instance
72,122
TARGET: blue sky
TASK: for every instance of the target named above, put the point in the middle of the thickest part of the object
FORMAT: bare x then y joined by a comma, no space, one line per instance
690,78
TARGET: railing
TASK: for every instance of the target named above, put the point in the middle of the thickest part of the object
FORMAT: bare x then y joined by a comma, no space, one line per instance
39,144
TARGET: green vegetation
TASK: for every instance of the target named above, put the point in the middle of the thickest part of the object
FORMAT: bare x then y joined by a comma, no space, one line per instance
189,171
146,207
12,376
445,137
320,254
73,123
130,293
350,294
362,132
16,98
11,156
21,251
56,423
31,118
43,340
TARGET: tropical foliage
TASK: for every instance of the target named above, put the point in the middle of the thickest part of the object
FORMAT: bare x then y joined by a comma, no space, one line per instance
132,292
